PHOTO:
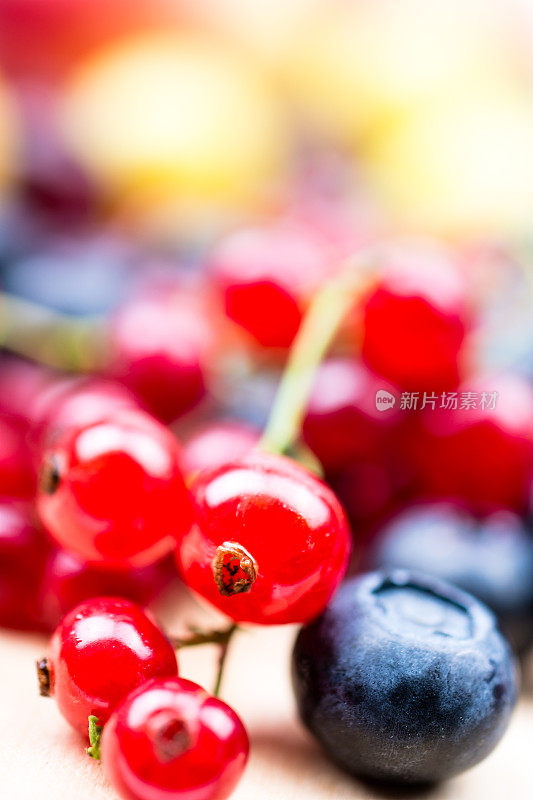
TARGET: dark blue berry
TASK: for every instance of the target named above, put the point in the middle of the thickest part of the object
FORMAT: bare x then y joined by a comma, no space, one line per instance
404,678
492,559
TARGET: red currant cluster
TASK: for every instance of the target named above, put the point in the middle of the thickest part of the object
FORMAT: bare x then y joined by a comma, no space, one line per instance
251,529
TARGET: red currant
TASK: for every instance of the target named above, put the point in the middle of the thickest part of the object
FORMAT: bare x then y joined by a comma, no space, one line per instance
217,443
76,402
68,580
481,456
159,349
102,650
351,414
271,542
23,552
266,276
370,491
414,322
20,383
170,740
17,475
114,491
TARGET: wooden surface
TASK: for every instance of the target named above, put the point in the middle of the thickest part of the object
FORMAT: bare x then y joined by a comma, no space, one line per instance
42,759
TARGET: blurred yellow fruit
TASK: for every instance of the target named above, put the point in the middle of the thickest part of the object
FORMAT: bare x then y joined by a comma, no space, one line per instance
175,117
463,166
359,63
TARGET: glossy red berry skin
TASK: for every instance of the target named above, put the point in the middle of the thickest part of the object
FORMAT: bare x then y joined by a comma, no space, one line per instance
160,349
23,553
270,544
266,277
73,403
17,473
21,382
68,581
481,458
114,491
346,421
217,443
414,321
102,650
170,740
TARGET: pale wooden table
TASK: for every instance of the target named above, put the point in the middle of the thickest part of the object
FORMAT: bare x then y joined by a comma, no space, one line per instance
42,759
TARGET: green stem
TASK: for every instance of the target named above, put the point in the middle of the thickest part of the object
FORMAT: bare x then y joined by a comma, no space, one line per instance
221,638
198,637
222,660
54,339
317,331
95,735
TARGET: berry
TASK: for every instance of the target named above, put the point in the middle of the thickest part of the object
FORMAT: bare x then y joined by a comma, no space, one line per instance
17,476
345,421
369,491
23,553
114,491
481,456
270,544
159,350
68,580
73,274
102,650
266,276
170,740
217,443
404,678
492,559
415,320
52,187
20,383
42,43
73,403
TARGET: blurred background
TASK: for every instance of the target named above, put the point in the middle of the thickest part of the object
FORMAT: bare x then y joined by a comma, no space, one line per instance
170,119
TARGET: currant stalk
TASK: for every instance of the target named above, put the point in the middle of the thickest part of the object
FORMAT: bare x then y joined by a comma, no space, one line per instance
234,568
319,327
48,337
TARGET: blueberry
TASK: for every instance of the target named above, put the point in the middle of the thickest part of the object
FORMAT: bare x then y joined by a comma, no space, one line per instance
404,678
492,559
78,276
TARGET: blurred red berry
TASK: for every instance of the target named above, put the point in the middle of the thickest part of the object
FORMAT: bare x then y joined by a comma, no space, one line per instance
68,580
217,443
21,383
17,474
266,276
369,491
351,414
481,456
415,320
114,491
23,552
159,349
43,41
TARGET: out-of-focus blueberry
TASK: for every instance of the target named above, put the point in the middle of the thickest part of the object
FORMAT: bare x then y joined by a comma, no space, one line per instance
492,558
404,678
85,276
